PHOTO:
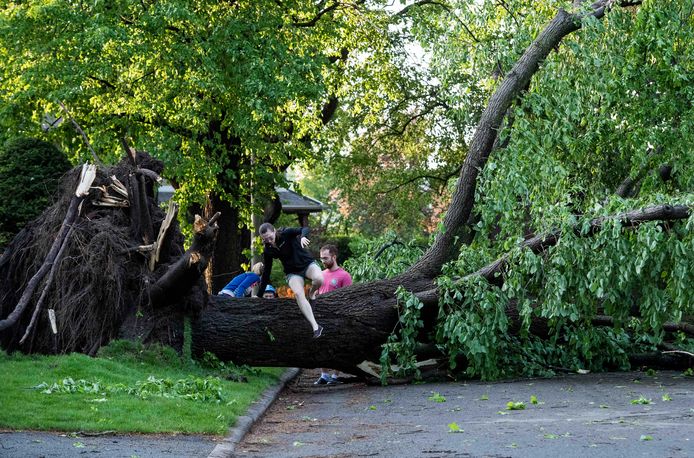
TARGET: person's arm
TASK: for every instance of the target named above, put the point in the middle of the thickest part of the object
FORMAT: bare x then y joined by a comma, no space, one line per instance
265,279
248,279
301,232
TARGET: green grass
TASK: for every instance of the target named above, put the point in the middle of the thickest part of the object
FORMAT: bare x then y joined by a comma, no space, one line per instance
24,407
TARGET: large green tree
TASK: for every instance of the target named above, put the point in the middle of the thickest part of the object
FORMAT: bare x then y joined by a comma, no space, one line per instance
581,111
228,94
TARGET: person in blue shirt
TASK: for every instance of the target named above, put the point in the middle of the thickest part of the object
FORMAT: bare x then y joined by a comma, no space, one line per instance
242,285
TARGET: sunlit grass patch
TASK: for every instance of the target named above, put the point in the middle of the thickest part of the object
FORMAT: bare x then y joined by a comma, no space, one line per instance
139,390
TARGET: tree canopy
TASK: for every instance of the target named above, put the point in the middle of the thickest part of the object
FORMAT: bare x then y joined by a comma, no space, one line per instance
226,94
600,110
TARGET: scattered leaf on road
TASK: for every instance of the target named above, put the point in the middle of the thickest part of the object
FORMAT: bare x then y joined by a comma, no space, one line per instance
641,400
437,397
454,428
515,405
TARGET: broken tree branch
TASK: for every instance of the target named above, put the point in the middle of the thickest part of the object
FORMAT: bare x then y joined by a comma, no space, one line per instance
493,272
46,287
188,268
541,242
170,215
83,134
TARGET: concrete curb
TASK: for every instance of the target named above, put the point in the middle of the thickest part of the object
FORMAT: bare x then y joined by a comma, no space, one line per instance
225,449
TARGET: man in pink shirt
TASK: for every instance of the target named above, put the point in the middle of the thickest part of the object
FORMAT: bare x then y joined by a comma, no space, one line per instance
334,277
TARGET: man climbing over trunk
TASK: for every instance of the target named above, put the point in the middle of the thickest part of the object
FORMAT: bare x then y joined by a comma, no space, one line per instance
289,246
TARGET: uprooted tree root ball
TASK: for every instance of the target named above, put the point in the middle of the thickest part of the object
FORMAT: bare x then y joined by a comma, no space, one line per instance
99,285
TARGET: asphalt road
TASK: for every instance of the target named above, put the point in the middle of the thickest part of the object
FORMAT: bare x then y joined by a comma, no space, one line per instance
36,444
603,415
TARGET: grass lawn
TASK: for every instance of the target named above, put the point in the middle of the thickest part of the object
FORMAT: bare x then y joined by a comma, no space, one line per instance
124,400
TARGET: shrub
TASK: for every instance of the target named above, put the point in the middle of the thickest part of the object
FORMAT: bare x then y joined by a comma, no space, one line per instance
30,170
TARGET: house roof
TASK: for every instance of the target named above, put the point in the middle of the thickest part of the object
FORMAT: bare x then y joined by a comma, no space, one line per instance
293,202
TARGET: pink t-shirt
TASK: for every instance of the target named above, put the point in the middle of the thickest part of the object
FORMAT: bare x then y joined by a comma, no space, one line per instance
333,280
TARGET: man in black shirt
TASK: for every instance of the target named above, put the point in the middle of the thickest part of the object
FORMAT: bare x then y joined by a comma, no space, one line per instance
289,246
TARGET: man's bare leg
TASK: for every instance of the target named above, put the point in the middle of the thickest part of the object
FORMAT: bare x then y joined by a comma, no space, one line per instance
296,283
314,274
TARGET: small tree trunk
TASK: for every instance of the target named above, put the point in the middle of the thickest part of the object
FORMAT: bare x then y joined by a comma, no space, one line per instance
232,240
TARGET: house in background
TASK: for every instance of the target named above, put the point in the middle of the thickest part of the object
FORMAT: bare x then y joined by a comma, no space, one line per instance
292,202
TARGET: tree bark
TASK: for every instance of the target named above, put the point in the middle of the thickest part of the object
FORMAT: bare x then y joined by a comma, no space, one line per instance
186,271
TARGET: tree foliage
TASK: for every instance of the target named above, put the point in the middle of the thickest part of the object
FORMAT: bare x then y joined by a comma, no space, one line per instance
596,121
227,95
600,129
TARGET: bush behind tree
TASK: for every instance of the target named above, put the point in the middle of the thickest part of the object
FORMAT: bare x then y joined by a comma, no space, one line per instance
30,170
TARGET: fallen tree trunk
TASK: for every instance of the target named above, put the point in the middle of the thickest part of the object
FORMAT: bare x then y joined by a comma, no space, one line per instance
273,332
